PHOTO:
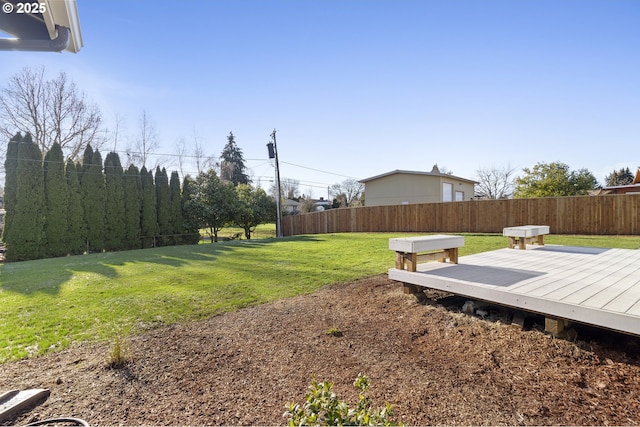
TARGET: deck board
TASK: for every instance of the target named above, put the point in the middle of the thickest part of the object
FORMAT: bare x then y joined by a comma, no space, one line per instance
605,296
589,285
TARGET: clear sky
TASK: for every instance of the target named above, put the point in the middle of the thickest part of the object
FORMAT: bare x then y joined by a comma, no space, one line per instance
358,88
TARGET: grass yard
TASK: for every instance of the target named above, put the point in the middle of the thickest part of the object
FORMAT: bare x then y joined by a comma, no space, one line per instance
263,231
50,304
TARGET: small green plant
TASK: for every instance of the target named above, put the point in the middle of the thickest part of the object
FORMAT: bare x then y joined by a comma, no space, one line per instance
323,408
119,354
334,332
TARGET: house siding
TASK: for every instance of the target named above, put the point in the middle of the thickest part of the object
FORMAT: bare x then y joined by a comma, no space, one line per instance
400,188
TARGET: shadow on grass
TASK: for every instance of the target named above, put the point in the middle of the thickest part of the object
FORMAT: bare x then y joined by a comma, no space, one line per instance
48,275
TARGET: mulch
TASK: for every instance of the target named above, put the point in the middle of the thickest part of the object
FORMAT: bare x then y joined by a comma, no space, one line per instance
434,364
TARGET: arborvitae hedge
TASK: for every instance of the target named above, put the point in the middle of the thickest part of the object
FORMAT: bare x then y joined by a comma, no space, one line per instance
57,203
148,217
75,215
133,201
93,193
26,238
53,209
114,221
175,210
163,197
10,186
87,159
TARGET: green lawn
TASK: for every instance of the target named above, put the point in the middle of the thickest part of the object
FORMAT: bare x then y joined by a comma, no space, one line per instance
263,231
49,304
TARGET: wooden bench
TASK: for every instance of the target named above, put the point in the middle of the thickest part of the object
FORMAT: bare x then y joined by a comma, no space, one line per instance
525,234
409,249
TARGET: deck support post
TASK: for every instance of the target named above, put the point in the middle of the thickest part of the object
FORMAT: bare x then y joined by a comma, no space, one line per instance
555,326
415,290
517,321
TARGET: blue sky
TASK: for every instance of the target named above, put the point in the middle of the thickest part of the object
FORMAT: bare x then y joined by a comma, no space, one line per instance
358,88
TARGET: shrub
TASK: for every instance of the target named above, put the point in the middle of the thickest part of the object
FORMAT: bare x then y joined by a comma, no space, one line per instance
323,408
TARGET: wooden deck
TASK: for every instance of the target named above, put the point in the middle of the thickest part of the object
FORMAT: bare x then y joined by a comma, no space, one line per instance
600,287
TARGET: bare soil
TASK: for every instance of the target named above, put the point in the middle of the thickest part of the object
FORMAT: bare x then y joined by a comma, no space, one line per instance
434,364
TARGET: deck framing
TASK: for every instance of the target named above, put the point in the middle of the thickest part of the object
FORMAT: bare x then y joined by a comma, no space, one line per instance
600,287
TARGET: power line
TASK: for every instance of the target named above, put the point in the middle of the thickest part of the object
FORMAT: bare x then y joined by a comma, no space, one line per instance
313,184
319,170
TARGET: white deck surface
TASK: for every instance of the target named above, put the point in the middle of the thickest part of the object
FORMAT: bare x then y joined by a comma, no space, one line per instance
596,286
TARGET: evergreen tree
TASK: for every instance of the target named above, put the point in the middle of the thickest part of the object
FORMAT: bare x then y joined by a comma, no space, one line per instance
57,203
163,197
76,230
148,217
175,209
114,225
25,241
10,184
93,198
619,177
190,220
232,167
87,159
133,202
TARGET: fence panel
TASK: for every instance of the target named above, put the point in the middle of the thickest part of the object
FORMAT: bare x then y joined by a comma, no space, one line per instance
609,214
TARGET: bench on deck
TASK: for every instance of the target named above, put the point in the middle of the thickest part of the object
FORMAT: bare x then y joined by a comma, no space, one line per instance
525,234
410,250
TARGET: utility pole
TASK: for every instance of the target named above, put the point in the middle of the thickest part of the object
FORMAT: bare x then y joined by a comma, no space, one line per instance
273,154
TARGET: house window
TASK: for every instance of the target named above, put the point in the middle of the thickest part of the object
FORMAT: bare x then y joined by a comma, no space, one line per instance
459,196
447,192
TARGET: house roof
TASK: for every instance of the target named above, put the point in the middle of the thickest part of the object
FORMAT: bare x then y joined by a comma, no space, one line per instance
434,172
622,186
50,25
634,185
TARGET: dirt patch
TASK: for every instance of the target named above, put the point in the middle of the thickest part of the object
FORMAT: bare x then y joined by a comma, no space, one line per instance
434,365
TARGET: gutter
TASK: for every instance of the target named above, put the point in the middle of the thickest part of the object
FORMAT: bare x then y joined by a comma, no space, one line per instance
58,44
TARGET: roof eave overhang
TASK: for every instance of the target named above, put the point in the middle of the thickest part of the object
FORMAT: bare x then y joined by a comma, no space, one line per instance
55,26
65,14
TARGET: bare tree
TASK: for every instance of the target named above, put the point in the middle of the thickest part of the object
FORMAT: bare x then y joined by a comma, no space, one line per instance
203,161
495,182
116,134
145,142
306,205
181,154
192,158
442,169
351,189
52,111
289,188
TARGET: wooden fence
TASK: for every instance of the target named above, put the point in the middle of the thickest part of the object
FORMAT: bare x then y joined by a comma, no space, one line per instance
606,215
